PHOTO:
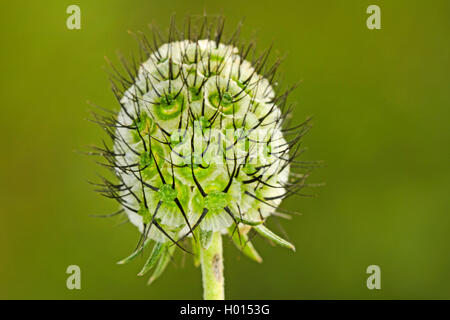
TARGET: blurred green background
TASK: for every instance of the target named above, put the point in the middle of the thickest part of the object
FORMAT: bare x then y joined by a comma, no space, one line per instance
380,100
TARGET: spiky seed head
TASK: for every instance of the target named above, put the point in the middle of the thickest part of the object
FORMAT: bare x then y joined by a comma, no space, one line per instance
199,140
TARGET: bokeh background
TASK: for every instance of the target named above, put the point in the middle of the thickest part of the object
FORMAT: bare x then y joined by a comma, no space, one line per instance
380,101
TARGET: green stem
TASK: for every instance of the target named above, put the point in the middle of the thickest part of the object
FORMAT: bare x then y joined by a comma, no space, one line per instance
211,260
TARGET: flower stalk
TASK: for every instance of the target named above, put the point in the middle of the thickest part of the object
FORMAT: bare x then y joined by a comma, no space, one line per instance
211,260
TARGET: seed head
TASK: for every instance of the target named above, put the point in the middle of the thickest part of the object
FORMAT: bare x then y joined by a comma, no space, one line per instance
201,143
